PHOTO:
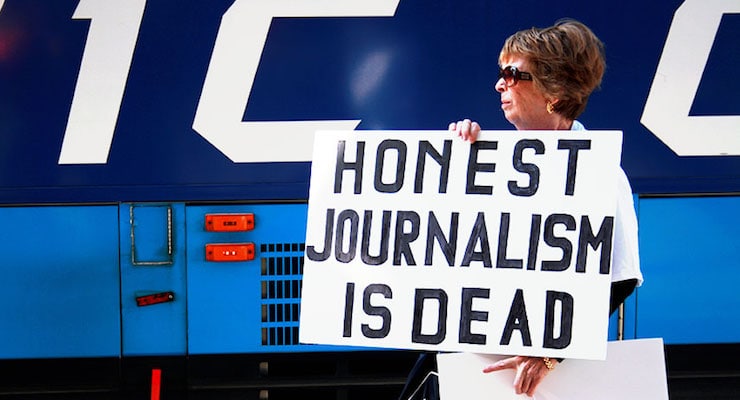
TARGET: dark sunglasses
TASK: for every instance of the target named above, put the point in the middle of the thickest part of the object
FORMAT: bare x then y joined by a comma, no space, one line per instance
512,75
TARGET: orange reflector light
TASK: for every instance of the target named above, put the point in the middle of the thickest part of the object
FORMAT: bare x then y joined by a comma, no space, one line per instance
229,222
230,252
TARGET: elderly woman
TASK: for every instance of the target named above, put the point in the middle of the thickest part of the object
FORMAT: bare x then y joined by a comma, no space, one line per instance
545,79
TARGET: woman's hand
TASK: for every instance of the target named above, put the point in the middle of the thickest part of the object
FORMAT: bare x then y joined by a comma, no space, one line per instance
465,129
529,372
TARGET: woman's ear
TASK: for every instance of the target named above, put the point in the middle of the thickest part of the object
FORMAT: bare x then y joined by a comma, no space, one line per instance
551,105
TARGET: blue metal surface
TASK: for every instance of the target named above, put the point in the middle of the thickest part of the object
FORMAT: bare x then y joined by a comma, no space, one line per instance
230,304
426,65
59,277
689,256
67,305
157,329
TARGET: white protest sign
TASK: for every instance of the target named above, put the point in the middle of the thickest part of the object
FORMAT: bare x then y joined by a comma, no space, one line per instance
633,369
418,240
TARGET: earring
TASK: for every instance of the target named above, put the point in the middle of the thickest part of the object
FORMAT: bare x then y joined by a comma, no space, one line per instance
550,108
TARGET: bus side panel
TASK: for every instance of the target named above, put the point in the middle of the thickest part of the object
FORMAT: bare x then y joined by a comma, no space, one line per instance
247,306
60,282
689,252
153,295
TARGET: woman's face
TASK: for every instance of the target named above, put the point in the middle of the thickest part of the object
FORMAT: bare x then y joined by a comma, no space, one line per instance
523,104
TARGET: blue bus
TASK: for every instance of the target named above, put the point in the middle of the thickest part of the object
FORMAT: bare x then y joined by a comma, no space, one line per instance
155,161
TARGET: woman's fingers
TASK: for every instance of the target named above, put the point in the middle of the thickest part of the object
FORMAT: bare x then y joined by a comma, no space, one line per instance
465,129
529,372
506,363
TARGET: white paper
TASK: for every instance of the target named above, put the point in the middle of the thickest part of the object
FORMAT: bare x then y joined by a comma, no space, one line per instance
633,369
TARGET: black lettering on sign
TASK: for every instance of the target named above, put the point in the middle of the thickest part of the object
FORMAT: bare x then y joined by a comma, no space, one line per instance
383,312
354,222
503,241
517,320
403,237
556,241
468,315
479,234
311,252
534,241
383,240
573,146
434,232
341,237
442,300
426,148
354,166
400,170
530,169
474,167
603,239
349,304
566,320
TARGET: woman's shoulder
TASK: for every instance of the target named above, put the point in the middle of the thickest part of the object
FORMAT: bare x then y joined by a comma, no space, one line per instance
577,126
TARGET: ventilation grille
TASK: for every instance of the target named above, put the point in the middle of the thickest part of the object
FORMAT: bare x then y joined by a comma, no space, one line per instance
281,273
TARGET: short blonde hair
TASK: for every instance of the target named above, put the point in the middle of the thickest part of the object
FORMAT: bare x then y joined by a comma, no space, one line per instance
566,61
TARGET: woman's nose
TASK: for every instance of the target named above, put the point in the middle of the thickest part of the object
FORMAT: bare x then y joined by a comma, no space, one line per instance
500,85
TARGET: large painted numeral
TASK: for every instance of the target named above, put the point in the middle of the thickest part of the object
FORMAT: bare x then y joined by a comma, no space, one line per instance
107,59
114,28
677,79
231,73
